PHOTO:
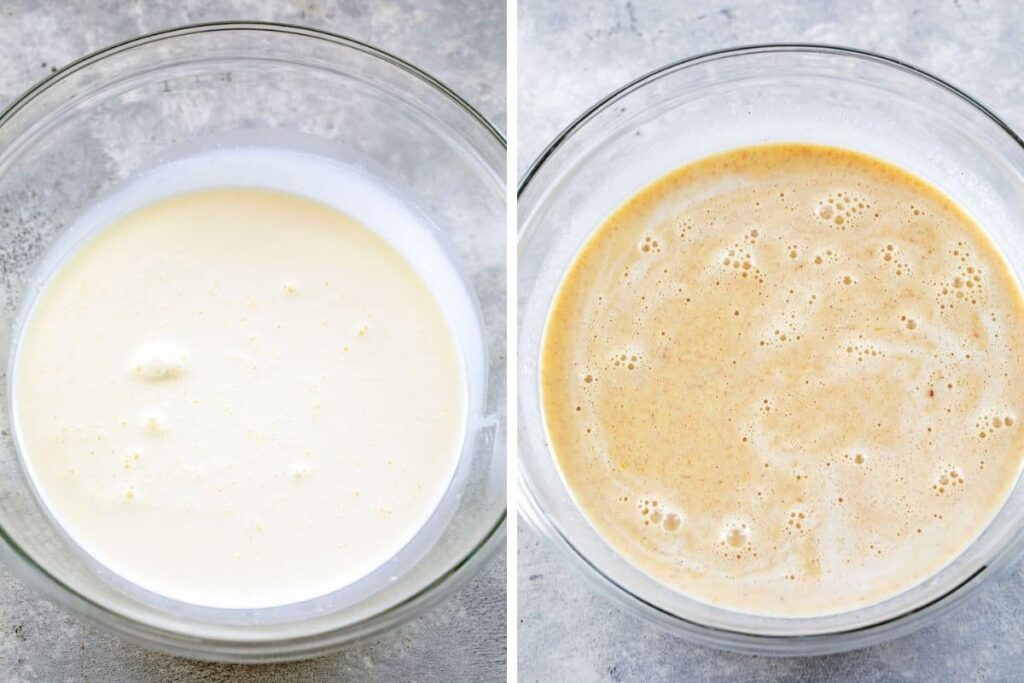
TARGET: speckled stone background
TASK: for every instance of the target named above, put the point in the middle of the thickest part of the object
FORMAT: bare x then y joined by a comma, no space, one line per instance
462,42
571,54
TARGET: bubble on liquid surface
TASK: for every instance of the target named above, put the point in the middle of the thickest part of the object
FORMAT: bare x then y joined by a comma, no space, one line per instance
672,522
736,536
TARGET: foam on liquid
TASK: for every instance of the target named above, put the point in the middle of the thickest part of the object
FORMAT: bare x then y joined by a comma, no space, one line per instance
236,396
787,380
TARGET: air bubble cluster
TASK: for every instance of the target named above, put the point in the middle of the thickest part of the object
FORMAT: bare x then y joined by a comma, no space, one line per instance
627,361
948,478
649,244
990,425
841,209
966,284
684,227
654,514
863,351
826,257
797,520
895,260
739,261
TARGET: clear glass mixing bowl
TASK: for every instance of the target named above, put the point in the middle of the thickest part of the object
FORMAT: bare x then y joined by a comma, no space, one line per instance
708,104
100,121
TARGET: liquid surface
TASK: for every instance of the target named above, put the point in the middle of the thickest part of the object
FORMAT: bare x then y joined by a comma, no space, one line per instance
239,398
787,380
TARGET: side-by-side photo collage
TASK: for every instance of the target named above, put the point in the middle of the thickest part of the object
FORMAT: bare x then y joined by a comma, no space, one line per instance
512,340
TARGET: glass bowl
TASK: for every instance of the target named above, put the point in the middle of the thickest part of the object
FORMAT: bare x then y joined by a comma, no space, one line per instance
104,119
709,104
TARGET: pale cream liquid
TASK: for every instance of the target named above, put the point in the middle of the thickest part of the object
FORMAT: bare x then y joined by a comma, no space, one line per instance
239,398
787,380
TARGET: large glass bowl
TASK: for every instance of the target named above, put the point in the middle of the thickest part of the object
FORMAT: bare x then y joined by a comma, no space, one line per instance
709,104
102,120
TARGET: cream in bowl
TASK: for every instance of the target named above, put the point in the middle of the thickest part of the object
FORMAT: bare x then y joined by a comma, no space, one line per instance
234,390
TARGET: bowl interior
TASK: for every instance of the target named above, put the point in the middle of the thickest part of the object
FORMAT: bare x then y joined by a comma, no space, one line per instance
711,104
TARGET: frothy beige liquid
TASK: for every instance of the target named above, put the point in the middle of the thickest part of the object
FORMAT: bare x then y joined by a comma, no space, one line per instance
239,398
787,380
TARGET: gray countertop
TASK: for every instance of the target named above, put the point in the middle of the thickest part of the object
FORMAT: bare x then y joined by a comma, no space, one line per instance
571,54
462,42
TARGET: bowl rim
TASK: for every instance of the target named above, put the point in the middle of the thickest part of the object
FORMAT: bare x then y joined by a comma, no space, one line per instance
60,74
264,649
856,636
738,51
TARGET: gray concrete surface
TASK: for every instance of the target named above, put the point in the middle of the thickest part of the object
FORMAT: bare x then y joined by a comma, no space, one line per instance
574,52
463,43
